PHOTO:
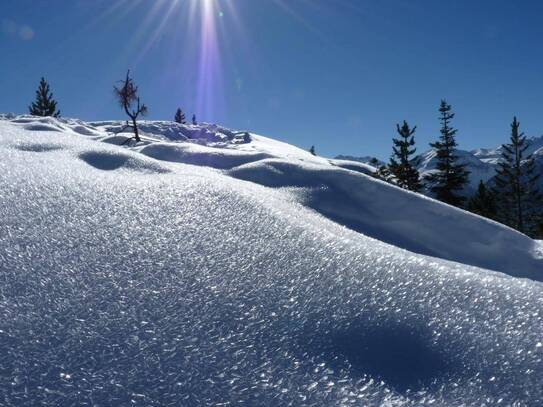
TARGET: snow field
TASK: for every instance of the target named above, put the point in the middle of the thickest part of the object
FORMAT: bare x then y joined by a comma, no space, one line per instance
126,280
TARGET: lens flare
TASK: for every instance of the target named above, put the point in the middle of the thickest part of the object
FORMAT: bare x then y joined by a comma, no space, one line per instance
203,41
209,79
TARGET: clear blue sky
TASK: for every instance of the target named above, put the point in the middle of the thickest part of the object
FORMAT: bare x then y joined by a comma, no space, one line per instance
337,74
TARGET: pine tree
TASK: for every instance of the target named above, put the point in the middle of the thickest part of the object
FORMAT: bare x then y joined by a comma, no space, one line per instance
44,105
484,202
519,199
384,174
194,122
400,166
451,176
538,234
127,96
312,150
180,117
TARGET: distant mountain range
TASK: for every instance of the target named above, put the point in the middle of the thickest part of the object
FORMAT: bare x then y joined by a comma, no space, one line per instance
481,162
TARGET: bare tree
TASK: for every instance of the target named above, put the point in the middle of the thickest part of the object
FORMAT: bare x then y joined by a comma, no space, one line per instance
127,96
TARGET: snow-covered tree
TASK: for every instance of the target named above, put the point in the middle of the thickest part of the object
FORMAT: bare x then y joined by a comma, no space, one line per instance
44,105
519,199
401,165
483,202
180,117
451,176
127,96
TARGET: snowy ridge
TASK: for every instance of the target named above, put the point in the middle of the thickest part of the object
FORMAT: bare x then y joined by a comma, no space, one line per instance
128,280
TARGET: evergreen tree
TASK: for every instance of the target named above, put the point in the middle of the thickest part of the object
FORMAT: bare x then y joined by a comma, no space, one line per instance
539,229
400,166
384,174
44,105
484,202
519,199
180,117
194,122
451,176
312,150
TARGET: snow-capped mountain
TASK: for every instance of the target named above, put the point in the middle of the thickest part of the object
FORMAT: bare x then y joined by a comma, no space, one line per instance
492,156
205,266
481,163
479,169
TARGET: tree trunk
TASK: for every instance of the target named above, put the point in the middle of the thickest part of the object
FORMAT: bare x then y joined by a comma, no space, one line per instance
136,132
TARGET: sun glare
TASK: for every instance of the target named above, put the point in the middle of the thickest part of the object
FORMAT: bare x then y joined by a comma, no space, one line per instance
202,36
209,62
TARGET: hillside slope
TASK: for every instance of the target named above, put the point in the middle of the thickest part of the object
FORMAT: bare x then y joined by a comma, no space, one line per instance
128,280
336,189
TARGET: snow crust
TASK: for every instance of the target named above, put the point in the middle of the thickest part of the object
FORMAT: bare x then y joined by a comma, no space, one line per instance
128,280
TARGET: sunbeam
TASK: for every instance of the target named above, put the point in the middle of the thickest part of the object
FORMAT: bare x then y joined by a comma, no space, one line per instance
209,90
202,36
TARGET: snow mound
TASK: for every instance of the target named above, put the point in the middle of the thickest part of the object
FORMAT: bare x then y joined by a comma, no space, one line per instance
195,288
201,155
108,161
401,218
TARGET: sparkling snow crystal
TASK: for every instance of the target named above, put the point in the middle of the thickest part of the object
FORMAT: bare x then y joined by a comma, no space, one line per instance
126,280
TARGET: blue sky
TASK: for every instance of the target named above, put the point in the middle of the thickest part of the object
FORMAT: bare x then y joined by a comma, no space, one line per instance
337,74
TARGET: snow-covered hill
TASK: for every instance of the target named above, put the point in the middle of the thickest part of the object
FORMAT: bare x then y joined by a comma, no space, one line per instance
210,267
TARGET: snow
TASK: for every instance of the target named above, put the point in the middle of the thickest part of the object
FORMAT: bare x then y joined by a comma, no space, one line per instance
492,155
481,163
128,280
403,219
354,166
373,161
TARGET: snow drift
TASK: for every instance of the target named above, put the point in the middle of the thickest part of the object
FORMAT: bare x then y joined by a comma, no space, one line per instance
337,190
128,280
